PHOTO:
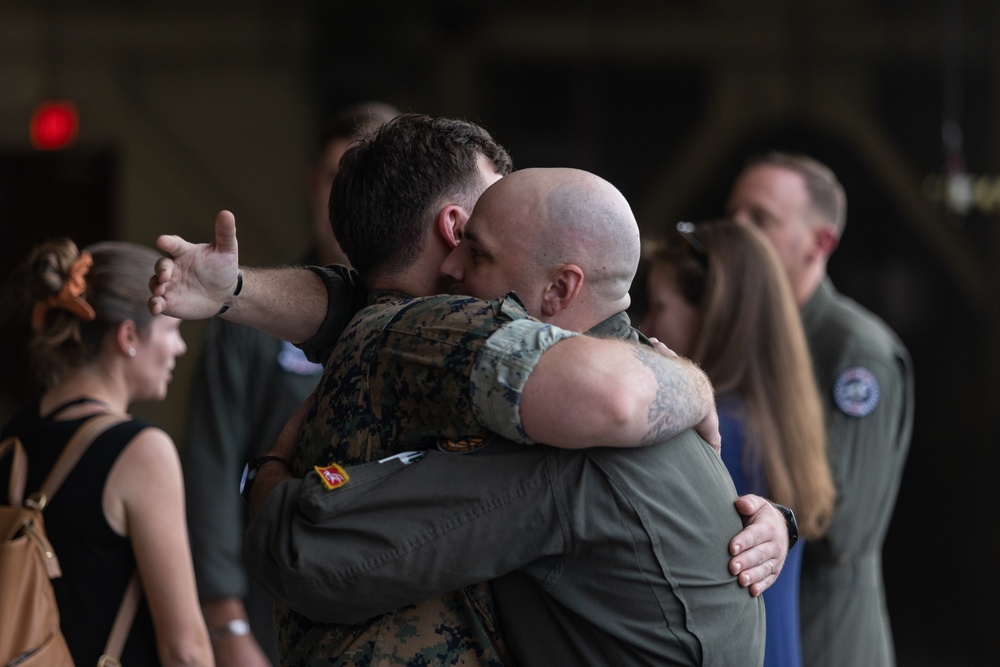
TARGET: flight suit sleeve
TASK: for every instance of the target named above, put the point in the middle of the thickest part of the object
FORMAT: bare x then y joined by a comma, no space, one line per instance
398,533
217,444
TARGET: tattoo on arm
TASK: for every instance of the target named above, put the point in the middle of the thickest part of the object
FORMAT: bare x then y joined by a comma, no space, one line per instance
675,408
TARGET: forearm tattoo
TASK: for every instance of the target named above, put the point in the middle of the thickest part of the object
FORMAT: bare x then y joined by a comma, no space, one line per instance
677,404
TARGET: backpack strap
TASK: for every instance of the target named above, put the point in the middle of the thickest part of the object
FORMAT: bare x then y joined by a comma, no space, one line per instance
71,454
122,625
18,469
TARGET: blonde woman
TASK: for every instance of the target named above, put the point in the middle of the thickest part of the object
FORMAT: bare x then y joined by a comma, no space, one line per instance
718,295
96,349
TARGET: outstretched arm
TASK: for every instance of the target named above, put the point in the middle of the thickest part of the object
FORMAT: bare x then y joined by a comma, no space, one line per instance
198,279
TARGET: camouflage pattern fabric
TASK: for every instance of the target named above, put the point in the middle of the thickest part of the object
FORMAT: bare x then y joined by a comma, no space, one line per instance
399,380
455,629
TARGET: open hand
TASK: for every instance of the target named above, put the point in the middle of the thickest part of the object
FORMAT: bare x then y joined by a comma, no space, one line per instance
196,279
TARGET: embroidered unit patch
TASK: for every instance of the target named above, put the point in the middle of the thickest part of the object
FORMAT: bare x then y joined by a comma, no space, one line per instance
856,392
333,476
462,445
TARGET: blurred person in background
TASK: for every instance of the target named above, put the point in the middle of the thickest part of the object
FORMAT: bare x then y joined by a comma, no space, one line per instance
866,382
95,349
248,384
718,295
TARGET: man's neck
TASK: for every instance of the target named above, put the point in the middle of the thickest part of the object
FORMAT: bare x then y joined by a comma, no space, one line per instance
807,285
411,283
588,311
421,278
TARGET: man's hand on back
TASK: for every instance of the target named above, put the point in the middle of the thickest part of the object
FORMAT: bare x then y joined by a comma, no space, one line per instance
760,549
274,472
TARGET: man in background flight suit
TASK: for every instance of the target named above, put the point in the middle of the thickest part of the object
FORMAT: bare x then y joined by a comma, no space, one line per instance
864,373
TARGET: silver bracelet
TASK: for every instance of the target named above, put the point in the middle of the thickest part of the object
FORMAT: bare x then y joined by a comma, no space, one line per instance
237,626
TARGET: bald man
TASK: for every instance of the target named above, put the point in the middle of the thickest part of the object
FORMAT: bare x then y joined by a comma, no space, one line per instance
620,553
540,234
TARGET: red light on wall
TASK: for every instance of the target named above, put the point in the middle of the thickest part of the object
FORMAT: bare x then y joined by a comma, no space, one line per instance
54,125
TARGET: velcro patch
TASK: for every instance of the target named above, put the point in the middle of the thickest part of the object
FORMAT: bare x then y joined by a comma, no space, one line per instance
856,392
461,445
333,476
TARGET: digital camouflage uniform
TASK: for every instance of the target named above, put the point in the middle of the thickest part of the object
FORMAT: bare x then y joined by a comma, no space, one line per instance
377,397
866,380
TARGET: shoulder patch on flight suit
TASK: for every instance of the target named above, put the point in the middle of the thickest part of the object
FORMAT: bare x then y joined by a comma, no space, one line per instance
332,476
293,360
856,392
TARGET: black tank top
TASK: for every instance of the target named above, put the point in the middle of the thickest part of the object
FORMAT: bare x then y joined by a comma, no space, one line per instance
96,562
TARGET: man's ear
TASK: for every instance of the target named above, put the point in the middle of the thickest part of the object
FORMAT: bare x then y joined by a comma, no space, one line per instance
567,281
825,240
451,221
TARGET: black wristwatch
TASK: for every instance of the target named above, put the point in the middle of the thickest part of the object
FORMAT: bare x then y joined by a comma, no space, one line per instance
250,473
793,525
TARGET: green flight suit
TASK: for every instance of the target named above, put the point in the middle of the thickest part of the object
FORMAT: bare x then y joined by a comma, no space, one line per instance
864,375
622,553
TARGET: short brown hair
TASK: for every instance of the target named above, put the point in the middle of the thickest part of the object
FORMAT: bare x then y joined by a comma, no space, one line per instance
391,181
826,194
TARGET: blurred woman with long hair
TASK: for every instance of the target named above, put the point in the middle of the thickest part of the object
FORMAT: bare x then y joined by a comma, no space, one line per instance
718,295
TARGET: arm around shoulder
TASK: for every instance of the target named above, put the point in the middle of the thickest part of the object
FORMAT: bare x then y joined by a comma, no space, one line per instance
589,392
201,280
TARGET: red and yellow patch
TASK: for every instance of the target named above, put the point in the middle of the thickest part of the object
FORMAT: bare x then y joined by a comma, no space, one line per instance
333,476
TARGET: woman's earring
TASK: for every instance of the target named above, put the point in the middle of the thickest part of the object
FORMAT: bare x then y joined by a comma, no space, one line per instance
131,352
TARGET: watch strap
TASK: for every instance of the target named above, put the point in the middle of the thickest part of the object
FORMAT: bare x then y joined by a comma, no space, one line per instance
250,473
790,523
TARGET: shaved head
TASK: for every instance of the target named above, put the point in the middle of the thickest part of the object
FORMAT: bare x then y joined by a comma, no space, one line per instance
590,224
532,223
